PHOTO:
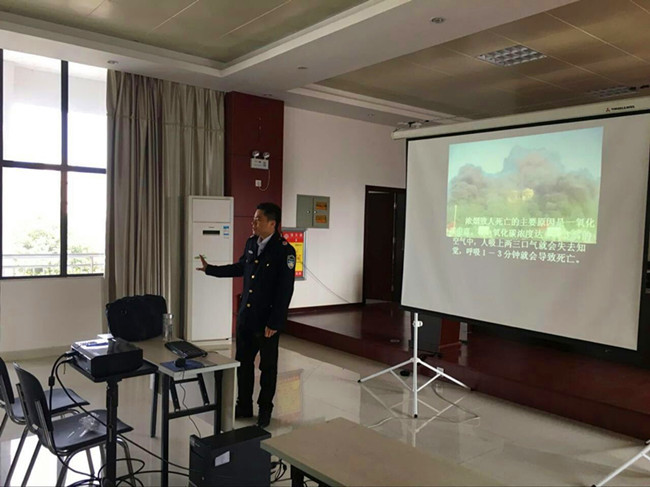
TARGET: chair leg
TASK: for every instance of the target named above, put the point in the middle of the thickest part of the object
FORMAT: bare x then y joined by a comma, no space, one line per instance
64,471
4,423
31,464
14,462
127,454
89,457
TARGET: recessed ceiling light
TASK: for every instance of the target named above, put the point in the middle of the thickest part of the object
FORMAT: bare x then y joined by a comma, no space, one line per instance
511,56
111,61
302,67
438,20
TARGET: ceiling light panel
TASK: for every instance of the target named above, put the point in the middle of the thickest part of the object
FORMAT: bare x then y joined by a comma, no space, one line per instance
511,56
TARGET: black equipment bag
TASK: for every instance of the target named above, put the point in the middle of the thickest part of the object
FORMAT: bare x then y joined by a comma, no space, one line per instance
136,318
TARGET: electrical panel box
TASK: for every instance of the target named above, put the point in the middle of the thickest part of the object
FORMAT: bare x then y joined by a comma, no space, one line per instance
313,211
208,304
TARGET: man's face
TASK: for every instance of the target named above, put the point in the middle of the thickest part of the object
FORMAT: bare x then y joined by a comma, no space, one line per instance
262,226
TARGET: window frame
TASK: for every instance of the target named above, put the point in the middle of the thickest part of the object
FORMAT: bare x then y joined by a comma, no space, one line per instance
64,168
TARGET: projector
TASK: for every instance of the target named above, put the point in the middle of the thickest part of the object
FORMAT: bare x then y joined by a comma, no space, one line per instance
103,357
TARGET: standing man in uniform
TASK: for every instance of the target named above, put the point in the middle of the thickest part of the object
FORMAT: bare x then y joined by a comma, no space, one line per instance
268,266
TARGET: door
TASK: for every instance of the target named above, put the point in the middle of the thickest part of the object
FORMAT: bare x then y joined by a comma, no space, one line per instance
383,255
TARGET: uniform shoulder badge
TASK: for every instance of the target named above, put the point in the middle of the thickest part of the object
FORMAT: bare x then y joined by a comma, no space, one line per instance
284,242
291,261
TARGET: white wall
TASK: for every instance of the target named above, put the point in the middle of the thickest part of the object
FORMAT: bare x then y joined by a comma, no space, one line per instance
49,312
332,156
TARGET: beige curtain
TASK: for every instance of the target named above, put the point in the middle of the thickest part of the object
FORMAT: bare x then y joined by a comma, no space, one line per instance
165,142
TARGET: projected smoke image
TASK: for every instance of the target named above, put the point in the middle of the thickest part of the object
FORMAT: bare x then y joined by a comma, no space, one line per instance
540,189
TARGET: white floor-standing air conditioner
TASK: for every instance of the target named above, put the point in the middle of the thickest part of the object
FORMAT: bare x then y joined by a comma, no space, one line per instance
208,314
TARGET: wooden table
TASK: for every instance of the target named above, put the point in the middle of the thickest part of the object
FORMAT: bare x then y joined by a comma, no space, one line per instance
218,371
340,452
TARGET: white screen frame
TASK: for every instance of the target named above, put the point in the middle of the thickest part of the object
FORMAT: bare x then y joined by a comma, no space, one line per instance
478,284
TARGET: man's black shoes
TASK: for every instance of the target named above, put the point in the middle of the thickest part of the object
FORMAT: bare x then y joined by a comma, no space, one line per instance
264,418
243,412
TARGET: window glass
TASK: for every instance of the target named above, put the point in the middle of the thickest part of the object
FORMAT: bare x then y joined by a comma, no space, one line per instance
31,219
86,116
31,229
86,223
32,108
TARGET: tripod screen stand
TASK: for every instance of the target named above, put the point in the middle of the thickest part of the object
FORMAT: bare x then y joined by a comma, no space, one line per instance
415,361
642,454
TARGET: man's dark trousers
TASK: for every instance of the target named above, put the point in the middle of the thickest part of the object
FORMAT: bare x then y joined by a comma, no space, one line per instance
248,344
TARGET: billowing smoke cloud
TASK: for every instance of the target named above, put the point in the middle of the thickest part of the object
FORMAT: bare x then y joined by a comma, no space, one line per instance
533,183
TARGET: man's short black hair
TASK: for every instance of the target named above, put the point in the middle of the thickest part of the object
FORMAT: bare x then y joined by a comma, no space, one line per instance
272,212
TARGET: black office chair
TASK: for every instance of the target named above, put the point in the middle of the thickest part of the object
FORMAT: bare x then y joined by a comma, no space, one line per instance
61,405
64,437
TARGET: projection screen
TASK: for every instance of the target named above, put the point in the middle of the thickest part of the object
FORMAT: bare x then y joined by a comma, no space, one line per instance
539,228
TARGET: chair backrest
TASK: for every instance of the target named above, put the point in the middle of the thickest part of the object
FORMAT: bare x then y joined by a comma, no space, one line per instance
7,397
37,413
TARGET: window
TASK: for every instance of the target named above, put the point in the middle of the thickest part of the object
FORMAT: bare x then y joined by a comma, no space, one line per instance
53,178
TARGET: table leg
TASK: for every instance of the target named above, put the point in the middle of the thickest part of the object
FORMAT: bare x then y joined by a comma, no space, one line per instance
218,400
164,417
111,432
228,387
297,477
154,404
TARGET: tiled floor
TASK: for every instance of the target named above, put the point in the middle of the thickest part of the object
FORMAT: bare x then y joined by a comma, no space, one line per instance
608,392
512,444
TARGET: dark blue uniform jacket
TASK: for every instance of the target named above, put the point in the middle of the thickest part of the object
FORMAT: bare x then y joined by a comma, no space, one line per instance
268,283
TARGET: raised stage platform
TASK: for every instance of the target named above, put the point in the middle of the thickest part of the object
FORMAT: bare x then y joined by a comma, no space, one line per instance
605,394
